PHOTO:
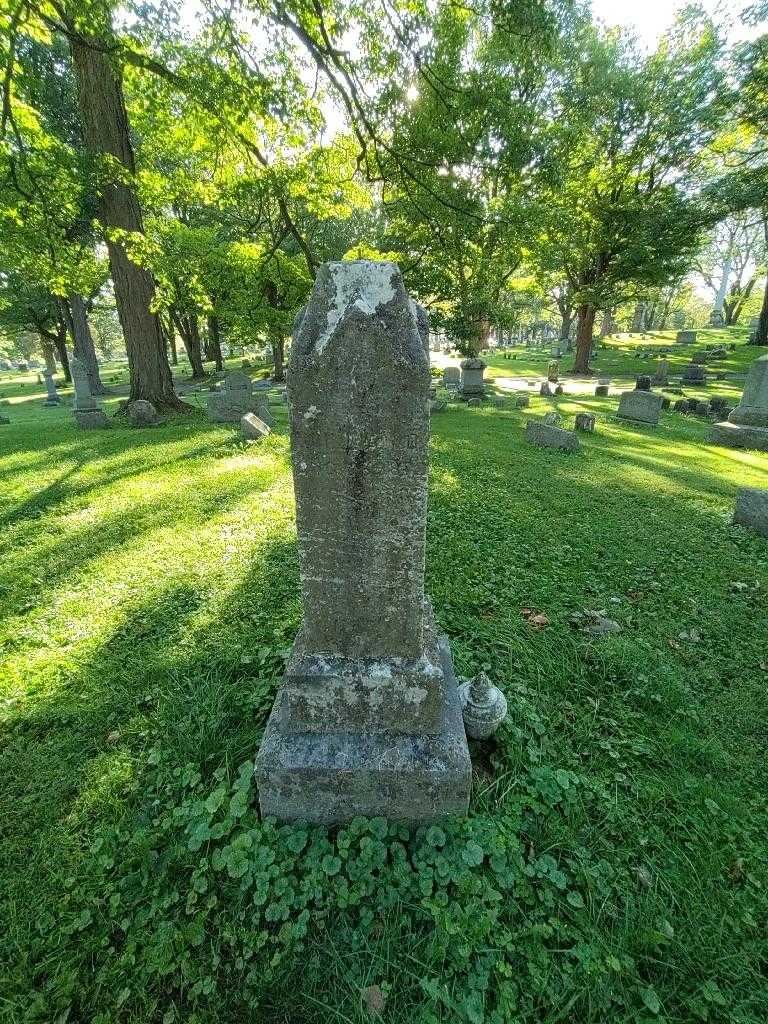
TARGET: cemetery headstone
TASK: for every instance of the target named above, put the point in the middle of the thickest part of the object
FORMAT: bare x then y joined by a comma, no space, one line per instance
543,435
545,390
602,390
233,400
471,384
694,374
451,377
263,411
368,720
4,420
553,370
640,406
661,376
747,424
643,382
752,509
253,427
681,405
142,413
685,337
558,389
585,421
522,401
87,409
52,397
699,358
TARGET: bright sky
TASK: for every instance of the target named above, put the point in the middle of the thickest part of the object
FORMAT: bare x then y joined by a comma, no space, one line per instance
651,18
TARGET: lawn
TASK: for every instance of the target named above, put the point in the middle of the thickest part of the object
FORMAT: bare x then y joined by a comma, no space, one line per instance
614,867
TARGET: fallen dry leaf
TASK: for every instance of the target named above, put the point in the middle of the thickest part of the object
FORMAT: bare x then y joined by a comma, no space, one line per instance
539,621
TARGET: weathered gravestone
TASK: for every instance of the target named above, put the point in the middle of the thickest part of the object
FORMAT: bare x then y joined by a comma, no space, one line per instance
682,405
661,376
602,390
747,424
87,409
643,382
752,509
522,401
451,377
233,400
545,390
368,720
253,427
640,406
471,384
685,337
142,414
52,396
585,421
543,435
694,374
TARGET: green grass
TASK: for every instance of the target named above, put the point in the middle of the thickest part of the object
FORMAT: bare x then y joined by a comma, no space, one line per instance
614,867
620,356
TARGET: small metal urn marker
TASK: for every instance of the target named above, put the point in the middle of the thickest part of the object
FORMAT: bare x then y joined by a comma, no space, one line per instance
483,706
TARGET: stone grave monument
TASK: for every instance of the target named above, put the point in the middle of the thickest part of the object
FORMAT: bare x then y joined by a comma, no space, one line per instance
451,377
747,424
367,720
694,373
752,509
685,337
87,409
52,397
471,384
640,406
661,376
234,399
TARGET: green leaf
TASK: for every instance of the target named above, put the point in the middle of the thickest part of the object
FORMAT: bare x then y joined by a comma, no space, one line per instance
651,1000
473,854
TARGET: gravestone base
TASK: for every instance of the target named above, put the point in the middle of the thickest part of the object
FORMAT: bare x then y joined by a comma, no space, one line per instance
331,777
52,403
739,435
91,419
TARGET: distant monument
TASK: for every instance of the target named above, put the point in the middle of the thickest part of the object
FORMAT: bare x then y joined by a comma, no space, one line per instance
368,720
52,397
233,400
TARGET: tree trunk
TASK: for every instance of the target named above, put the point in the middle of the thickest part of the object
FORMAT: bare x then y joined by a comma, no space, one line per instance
190,335
169,334
214,340
83,348
60,344
278,357
46,344
760,337
584,330
105,121
565,325
607,325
